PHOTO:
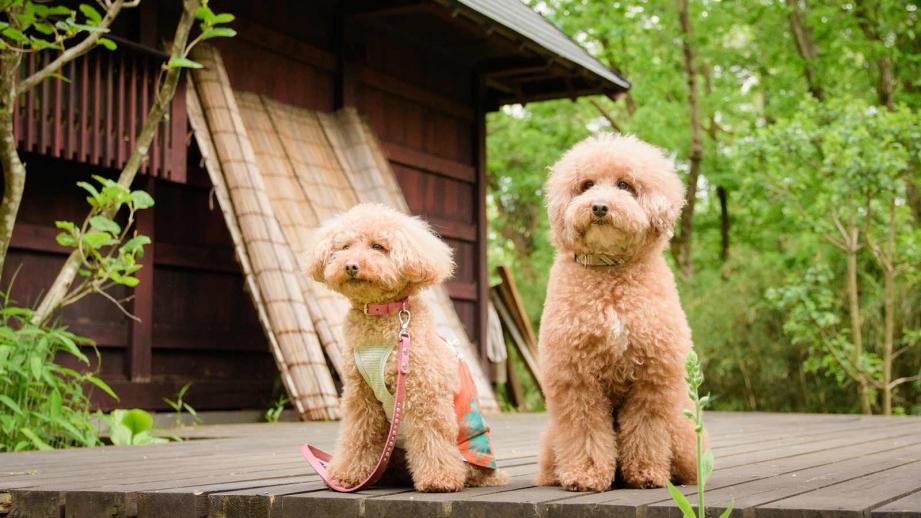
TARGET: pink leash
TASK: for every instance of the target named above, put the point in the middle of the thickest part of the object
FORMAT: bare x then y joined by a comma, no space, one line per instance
319,459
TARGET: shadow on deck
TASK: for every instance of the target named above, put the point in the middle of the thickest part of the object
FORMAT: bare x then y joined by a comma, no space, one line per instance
769,464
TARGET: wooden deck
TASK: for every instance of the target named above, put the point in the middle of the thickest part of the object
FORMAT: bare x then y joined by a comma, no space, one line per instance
769,464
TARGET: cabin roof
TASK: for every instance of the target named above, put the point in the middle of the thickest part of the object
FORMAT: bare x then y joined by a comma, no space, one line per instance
528,23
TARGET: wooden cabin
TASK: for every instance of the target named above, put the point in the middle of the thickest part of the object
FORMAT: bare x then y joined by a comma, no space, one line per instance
423,74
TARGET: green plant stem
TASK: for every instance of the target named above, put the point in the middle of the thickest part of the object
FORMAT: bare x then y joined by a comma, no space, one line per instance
700,471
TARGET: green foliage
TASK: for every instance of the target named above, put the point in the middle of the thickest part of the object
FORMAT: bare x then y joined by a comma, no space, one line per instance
770,321
109,250
43,404
695,378
132,427
210,25
180,406
274,413
33,26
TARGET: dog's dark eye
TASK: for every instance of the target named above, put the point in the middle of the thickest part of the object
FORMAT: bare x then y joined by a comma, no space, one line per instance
621,184
378,247
587,184
344,247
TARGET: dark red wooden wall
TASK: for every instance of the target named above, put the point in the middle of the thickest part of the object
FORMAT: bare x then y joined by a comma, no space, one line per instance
198,323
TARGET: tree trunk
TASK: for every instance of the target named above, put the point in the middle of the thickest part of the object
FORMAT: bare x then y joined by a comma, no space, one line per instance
14,172
806,48
682,244
856,324
724,222
68,273
887,261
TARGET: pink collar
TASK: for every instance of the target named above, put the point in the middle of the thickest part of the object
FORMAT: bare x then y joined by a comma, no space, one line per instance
386,308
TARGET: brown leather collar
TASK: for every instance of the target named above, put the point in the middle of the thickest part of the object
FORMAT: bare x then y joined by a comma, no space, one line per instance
599,259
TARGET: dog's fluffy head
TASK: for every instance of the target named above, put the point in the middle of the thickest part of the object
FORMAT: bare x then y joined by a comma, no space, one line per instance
372,253
614,195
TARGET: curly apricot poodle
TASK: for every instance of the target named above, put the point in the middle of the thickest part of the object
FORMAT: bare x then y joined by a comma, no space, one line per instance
374,255
613,336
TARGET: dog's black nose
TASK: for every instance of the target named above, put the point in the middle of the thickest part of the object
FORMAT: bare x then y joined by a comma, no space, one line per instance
599,209
351,269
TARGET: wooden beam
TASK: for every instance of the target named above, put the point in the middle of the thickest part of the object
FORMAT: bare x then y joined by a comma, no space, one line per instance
430,163
482,272
411,92
460,290
37,238
264,37
383,12
139,353
453,229
196,257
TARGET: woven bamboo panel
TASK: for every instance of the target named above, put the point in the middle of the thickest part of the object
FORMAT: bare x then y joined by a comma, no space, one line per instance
273,274
312,166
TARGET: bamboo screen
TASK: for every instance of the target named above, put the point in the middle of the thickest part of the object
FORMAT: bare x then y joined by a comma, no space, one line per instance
279,171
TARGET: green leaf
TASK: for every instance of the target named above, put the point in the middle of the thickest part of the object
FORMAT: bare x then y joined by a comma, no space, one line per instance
141,200
36,441
681,501
728,511
137,421
92,15
218,32
706,465
98,239
183,63
107,43
35,363
8,401
103,386
222,18
204,13
135,244
105,224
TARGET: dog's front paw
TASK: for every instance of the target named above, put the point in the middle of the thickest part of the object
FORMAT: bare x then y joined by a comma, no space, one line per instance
343,478
590,478
439,484
645,477
547,478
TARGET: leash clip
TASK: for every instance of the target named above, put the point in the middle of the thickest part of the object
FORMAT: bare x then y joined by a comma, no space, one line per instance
405,317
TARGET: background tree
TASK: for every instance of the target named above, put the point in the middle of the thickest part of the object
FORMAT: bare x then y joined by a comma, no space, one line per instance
769,300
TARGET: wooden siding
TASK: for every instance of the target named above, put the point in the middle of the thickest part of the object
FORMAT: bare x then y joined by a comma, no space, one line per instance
199,325
95,116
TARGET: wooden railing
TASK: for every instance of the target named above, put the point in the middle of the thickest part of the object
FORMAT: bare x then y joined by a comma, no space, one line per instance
96,116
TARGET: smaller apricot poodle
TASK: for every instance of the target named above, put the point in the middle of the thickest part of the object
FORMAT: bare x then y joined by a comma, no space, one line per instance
380,259
613,336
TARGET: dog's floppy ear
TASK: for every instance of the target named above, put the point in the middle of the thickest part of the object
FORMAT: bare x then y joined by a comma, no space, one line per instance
663,213
323,249
422,257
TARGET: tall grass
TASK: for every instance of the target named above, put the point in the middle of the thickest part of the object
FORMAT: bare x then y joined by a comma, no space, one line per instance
43,405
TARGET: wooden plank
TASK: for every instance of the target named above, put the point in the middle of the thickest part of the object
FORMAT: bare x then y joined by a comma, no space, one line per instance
413,93
516,307
482,267
855,497
837,469
906,507
429,163
140,354
517,340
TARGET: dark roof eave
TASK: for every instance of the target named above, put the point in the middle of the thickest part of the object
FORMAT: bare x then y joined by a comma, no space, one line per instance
543,36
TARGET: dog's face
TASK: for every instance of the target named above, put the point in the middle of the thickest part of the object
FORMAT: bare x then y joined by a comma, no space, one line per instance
613,195
373,253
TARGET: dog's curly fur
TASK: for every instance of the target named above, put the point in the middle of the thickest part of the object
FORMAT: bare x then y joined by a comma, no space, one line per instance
613,339
397,256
